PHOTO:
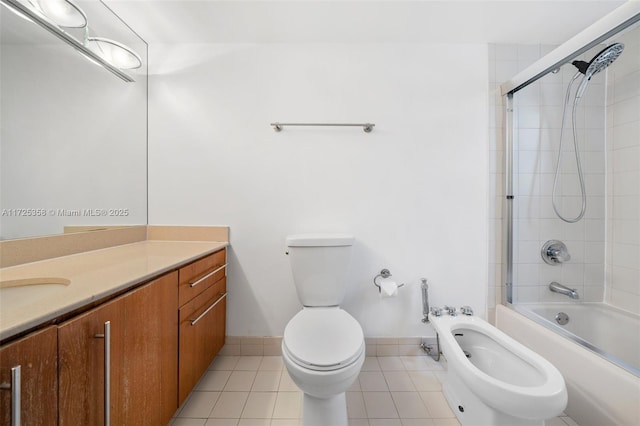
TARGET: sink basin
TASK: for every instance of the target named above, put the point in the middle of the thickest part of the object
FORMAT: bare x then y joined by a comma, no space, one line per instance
34,281
21,293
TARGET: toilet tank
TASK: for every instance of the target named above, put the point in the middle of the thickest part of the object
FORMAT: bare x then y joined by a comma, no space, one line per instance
320,263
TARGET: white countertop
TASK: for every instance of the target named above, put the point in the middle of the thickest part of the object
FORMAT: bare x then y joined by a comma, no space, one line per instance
93,275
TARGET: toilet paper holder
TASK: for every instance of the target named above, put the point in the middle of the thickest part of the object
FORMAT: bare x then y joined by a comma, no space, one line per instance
385,273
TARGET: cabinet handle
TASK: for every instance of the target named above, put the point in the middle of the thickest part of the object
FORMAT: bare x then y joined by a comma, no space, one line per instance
195,283
107,371
194,321
15,394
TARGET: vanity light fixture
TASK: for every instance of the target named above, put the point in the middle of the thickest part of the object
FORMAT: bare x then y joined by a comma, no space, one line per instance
117,54
54,14
64,13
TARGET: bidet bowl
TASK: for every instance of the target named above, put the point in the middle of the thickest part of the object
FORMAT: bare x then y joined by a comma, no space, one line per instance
500,371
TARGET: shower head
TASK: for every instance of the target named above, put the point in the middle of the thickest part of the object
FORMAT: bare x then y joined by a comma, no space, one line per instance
602,60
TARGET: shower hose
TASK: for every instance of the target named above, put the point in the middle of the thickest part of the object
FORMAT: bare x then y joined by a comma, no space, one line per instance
577,155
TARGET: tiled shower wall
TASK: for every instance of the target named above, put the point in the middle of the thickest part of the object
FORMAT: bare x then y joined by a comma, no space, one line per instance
610,225
538,112
623,177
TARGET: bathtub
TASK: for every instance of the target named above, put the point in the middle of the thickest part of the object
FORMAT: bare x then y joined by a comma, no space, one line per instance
609,332
601,392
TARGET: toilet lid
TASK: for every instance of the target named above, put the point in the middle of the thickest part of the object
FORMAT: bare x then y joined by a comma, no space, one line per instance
323,338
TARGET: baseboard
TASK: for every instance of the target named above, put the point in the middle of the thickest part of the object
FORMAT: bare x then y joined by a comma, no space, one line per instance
272,346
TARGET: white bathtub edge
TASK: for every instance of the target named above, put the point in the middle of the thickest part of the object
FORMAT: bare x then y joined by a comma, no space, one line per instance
599,391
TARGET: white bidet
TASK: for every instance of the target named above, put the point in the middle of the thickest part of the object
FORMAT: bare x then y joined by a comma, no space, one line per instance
494,380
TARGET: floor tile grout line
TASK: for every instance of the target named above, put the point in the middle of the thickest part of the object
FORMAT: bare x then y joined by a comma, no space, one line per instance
389,363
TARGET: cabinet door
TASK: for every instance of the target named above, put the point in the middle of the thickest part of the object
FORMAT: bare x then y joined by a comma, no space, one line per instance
82,374
144,352
202,334
37,356
149,395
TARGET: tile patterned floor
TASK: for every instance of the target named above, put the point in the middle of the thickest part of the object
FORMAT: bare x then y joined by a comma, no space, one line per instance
257,391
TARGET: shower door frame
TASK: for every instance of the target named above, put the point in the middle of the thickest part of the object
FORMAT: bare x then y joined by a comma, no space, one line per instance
621,18
625,16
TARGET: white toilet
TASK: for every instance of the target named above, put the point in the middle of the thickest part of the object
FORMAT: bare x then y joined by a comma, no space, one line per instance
493,380
323,346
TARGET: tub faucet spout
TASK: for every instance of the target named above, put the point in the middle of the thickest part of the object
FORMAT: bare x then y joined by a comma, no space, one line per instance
559,288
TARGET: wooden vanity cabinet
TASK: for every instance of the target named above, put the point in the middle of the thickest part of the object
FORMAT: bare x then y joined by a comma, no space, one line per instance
202,318
36,355
162,336
142,370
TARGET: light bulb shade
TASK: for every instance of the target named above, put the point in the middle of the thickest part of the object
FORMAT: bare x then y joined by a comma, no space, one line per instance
117,54
62,12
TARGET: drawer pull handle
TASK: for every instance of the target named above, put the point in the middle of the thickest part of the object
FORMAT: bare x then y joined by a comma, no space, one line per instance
15,394
195,283
194,321
107,371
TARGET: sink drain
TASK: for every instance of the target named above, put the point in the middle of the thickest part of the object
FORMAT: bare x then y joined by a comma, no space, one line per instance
562,318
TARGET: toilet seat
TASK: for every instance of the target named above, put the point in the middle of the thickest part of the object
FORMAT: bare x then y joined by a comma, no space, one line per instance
323,339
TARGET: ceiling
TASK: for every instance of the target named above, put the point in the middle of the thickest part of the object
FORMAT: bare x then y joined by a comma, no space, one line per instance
360,21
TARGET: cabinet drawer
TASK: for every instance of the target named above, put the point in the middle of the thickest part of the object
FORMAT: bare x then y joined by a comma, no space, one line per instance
196,307
202,333
200,275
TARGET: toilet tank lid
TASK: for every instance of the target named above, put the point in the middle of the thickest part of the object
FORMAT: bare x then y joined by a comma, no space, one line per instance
320,240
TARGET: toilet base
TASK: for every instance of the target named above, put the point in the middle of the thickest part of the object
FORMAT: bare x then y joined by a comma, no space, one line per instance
471,411
323,412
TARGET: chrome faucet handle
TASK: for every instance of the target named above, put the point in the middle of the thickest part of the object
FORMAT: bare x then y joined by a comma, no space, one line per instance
555,252
435,311
450,310
466,310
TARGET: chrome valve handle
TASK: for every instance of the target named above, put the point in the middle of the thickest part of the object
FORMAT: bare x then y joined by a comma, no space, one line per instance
450,310
466,310
555,252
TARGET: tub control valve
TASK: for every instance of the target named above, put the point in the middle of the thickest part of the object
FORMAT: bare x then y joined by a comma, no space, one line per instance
466,310
555,252
435,311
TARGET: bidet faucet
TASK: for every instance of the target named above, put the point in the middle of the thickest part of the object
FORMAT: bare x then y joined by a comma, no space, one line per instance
559,288
435,311
466,310
450,310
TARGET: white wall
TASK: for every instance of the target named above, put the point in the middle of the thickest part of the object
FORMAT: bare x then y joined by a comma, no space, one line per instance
413,192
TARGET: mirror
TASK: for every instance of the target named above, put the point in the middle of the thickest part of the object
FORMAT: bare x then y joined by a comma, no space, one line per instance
73,136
